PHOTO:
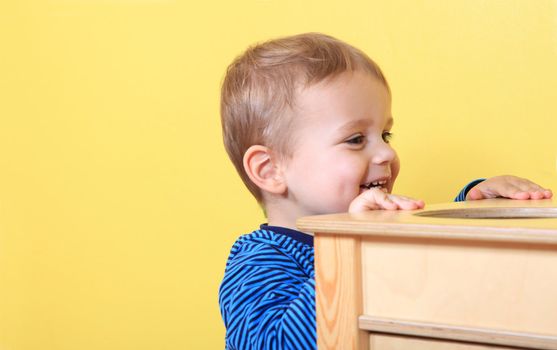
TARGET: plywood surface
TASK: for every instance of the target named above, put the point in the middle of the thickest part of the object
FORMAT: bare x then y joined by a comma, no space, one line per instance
411,224
491,285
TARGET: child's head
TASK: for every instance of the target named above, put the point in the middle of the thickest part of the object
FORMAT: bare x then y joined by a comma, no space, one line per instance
280,94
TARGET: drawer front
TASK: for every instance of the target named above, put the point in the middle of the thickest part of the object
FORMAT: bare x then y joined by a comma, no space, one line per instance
490,285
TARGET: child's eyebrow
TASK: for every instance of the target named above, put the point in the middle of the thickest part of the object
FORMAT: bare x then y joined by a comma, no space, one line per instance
354,124
363,123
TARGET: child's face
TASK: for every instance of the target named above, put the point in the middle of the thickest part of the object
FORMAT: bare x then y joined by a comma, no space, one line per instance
341,144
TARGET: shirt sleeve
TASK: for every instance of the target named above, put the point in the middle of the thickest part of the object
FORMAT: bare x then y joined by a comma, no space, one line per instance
268,303
461,197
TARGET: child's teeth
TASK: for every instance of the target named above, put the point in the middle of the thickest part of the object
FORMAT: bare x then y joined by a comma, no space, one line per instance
375,184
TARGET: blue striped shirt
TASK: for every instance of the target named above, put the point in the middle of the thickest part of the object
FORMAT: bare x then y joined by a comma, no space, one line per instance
267,296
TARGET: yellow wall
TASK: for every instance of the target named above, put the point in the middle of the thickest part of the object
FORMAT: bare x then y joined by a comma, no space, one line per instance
118,205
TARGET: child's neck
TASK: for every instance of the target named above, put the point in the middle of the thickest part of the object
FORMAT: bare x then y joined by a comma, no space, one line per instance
283,216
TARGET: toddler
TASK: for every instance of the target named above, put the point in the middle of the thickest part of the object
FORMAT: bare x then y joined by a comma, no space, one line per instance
307,122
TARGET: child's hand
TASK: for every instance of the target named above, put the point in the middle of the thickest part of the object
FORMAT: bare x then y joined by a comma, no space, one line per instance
508,186
375,198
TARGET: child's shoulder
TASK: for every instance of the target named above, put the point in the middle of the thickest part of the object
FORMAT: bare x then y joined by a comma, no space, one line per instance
263,245
255,241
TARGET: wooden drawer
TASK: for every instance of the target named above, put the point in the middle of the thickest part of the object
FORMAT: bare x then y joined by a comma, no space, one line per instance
511,286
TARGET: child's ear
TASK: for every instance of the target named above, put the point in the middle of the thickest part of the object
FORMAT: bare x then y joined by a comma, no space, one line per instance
263,170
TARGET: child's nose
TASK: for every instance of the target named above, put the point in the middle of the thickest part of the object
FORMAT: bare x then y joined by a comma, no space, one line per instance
383,154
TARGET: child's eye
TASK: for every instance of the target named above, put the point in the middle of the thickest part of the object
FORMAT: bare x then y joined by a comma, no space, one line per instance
356,140
387,136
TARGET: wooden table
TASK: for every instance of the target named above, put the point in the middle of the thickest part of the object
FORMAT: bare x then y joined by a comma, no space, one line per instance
470,275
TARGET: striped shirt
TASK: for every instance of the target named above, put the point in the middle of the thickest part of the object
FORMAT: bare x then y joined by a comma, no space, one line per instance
267,296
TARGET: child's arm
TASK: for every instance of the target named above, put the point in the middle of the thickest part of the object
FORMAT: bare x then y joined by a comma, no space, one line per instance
506,186
375,198
267,302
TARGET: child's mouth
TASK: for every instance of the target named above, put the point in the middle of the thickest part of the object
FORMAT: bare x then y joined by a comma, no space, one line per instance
381,184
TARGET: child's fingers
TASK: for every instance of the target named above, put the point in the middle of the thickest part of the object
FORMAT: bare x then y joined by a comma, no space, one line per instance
386,202
407,203
371,199
535,194
508,187
374,199
530,190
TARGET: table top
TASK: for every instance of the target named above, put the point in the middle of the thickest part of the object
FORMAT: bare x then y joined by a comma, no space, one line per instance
529,221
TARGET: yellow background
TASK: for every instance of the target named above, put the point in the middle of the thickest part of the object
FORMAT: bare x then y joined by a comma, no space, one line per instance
118,205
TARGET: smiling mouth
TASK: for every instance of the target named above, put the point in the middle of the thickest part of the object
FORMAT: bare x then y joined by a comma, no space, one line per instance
380,184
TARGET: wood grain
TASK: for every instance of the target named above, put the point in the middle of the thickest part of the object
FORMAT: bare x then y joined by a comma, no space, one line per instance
339,293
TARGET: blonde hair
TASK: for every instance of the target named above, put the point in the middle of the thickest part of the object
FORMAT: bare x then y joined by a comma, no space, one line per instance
258,92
